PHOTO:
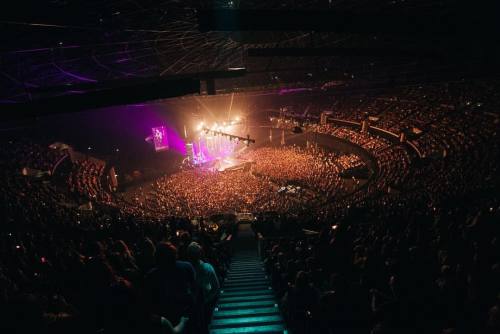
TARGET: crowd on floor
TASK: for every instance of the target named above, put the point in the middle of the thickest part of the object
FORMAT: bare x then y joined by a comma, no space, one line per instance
198,192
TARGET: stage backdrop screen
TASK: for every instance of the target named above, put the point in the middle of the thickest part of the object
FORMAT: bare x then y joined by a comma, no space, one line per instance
160,138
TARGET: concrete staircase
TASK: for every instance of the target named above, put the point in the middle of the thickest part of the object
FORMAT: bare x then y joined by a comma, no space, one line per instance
247,303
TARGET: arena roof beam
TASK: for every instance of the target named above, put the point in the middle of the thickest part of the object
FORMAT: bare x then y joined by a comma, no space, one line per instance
145,90
90,95
108,84
446,21
350,52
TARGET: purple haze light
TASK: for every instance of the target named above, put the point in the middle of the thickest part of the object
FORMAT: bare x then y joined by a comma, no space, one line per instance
176,143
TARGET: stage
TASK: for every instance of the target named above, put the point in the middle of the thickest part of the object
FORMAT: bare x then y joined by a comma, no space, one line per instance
227,164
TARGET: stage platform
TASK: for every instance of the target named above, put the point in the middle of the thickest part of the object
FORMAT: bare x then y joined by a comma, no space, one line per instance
227,164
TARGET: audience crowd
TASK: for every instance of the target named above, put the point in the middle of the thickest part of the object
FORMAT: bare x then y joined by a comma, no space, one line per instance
406,273
68,270
414,250
418,250
198,192
85,179
311,167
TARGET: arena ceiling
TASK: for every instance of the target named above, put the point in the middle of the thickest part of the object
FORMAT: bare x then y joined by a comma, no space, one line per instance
65,42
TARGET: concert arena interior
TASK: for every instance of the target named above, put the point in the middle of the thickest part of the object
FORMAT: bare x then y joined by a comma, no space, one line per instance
293,167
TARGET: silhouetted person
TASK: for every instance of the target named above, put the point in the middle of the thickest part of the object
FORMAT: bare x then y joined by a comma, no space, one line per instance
170,285
207,282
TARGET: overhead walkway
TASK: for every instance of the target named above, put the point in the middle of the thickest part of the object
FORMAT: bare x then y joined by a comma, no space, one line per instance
247,303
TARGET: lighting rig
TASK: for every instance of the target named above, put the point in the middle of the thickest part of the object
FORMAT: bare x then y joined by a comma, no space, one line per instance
246,139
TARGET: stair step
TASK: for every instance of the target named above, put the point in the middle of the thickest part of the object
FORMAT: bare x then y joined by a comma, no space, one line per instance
250,266
248,304
247,288
245,285
247,261
246,312
261,292
245,280
247,276
269,329
246,268
248,273
260,269
245,321
223,299
241,278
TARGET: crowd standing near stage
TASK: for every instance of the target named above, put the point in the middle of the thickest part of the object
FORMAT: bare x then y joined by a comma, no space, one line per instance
204,193
309,167
199,192
415,250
